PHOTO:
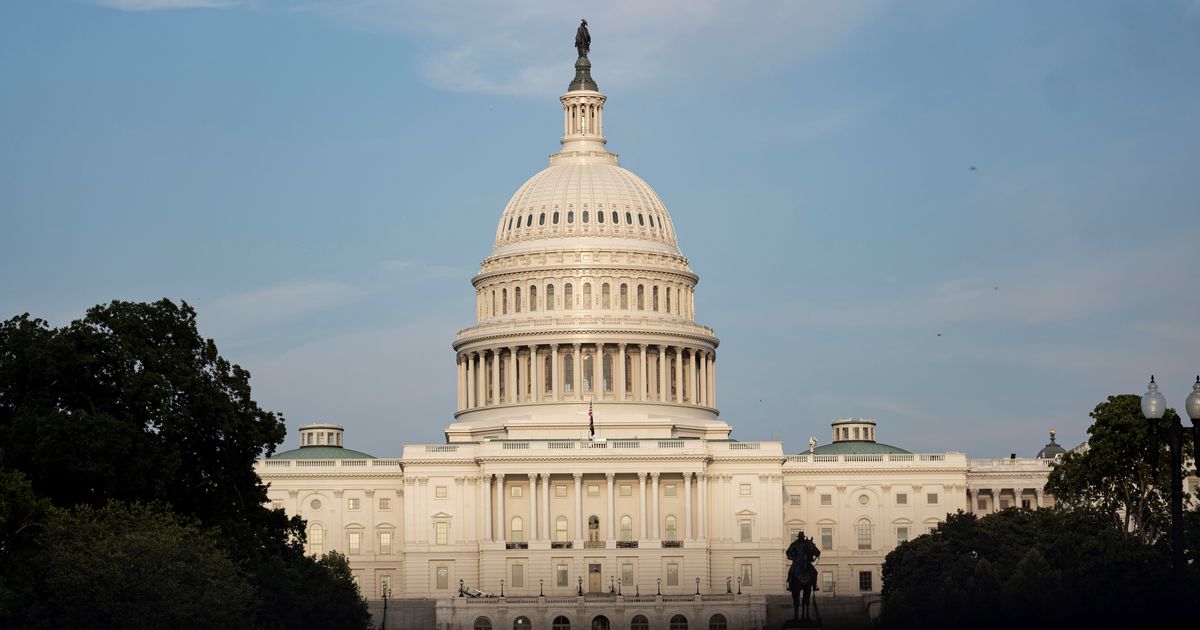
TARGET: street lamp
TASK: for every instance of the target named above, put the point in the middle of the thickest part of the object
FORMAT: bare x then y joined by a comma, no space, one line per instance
387,590
739,585
1154,407
659,586
501,587
728,588
580,592
541,593
697,586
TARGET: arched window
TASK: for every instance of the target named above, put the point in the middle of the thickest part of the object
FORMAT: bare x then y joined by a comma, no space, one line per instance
548,370
568,373
864,533
628,219
639,622
483,623
678,622
588,368
549,297
560,528
600,217
607,368
600,622
856,433
493,313
641,220
522,623
542,219
626,528
504,301
605,297
667,297
568,297
624,296
628,372
587,295
517,530
554,218
717,622
672,528
316,539
532,297
585,216
652,220
654,298
570,216
615,218
529,220
593,528
509,223
641,299
560,623
517,300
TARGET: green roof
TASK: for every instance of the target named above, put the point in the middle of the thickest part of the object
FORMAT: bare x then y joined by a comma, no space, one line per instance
321,452
858,447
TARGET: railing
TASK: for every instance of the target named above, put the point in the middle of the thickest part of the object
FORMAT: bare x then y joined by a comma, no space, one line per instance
853,457
743,446
627,544
560,444
625,443
516,545
672,544
806,458
670,444
593,544
562,544
441,448
516,446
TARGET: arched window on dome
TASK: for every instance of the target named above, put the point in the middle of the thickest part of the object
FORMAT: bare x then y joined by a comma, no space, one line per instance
517,300
504,301
605,297
628,373
587,295
641,220
493,311
599,216
548,370
568,373
554,218
628,218
529,220
652,220
608,372
510,222
533,298
542,219
616,219
654,298
641,297
678,301
549,297
570,216
671,363
588,370
667,297
624,296
568,297
585,216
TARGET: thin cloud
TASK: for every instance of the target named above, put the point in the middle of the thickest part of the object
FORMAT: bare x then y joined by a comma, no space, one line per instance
164,5
240,312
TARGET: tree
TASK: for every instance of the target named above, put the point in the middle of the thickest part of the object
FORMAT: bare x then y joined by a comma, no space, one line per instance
1114,477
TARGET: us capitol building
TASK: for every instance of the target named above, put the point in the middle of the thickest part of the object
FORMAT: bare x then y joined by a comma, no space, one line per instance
585,320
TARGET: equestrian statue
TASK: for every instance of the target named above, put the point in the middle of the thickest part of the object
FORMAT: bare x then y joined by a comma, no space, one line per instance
802,575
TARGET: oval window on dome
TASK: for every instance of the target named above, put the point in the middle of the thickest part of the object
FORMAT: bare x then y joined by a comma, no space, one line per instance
600,217
585,216
642,220
652,220
510,223
542,219
570,216
529,221
554,219
628,219
616,217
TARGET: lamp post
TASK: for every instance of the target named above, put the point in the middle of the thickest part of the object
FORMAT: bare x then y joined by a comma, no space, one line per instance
697,586
541,593
1154,406
461,590
739,585
387,590
501,587
728,588
659,586
580,592
612,584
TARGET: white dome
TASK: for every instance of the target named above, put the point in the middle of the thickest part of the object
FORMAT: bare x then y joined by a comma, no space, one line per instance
585,197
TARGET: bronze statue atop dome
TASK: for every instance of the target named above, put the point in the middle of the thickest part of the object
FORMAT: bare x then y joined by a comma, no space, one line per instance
583,39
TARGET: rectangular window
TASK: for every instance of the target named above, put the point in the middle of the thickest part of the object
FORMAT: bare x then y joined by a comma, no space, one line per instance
747,575
982,504
826,538
827,581
593,490
864,535
901,535
352,504
440,492
385,584
385,542
355,541
1003,504
560,491
794,499
516,491
518,576
744,490
864,581
931,498
441,533
826,499
626,490
443,578
385,504
564,578
669,490
627,574
672,574
1025,504
746,530
901,498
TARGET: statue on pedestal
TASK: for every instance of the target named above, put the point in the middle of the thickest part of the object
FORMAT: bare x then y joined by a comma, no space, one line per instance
802,575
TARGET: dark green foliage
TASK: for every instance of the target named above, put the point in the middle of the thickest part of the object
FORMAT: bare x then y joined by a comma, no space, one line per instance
127,408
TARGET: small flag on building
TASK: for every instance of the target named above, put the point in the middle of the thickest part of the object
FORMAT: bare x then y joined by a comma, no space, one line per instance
591,422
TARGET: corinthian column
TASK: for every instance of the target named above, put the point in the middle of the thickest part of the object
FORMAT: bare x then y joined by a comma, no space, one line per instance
620,388
643,386
555,373
512,376
678,374
654,526
578,505
663,386
642,506
693,378
496,376
612,524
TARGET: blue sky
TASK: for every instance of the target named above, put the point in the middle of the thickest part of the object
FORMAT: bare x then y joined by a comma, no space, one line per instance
321,178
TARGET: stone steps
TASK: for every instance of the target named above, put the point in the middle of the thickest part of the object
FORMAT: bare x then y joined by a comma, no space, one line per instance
846,612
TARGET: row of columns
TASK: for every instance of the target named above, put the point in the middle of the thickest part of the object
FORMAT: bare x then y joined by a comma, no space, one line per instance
495,523
997,491
479,375
514,298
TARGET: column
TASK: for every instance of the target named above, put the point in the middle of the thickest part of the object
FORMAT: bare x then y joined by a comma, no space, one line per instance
471,396
642,384
712,380
485,483
678,374
687,506
1037,498
501,526
663,386
693,378
598,372
702,513
578,373
512,376
578,505
612,530
535,374
496,376
620,388
556,373
995,500
656,523
462,383
641,506
533,513
703,378
546,531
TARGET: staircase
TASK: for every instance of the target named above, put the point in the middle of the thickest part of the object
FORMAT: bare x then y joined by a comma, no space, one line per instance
405,614
844,612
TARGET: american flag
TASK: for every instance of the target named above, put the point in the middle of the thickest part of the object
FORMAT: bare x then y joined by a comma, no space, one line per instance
591,422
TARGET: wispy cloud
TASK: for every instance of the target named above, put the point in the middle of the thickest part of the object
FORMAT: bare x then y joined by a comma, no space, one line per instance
489,47
164,5
248,310
423,270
